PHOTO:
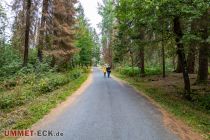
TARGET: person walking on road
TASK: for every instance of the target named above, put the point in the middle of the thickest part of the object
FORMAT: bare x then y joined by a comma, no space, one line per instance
104,71
108,69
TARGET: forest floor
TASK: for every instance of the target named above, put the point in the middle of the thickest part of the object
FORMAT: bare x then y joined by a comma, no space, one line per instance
26,103
168,93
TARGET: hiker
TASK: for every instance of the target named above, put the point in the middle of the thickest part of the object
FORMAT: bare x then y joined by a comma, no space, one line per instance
104,71
108,69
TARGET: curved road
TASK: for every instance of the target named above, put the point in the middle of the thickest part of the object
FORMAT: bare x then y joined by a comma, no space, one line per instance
108,110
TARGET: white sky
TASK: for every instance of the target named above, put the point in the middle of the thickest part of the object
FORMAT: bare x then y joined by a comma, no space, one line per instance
91,12
90,9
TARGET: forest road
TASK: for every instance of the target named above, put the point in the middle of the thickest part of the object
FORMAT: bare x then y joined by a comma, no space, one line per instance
106,110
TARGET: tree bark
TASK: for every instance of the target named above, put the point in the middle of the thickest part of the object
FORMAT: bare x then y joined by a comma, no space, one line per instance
203,50
27,32
142,66
163,57
179,65
42,29
192,49
141,54
191,58
132,61
181,55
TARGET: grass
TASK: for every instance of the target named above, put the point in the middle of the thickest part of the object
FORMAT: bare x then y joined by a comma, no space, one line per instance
33,85
37,100
44,104
193,115
135,71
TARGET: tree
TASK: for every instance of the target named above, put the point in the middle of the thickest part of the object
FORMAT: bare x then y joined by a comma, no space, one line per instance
204,47
86,39
42,29
3,22
18,29
192,49
27,30
61,33
96,47
181,55
149,22
19,7
106,10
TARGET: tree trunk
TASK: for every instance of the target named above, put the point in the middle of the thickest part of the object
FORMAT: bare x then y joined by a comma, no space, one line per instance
141,54
203,64
179,65
192,50
27,32
204,50
42,29
163,58
191,58
163,50
142,61
181,55
132,62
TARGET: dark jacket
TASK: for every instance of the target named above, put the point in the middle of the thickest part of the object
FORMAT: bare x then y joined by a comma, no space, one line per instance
108,69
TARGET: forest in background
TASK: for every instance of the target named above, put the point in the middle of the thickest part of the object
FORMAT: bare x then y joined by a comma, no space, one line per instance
167,35
162,47
50,32
44,60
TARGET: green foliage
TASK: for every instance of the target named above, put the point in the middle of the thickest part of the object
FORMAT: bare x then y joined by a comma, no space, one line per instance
39,106
129,71
106,10
202,101
145,24
46,84
135,71
86,41
9,60
3,24
32,85
153,71
195,113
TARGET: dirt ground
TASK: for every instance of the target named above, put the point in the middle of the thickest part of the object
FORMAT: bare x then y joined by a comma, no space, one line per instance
174,82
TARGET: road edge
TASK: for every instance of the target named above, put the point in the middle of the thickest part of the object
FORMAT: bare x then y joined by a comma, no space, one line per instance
170,121
53,114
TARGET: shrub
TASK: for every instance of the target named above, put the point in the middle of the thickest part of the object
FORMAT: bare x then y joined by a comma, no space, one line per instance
9,69
74,74
6,102
9,60
34,85
129,71
153,71
26,70
202,101
43,67
10,83
53,82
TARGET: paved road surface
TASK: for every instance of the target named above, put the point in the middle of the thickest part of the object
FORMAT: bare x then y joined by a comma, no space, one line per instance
109,110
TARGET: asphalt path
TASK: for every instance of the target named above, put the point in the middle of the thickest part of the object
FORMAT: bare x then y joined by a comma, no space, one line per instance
106,110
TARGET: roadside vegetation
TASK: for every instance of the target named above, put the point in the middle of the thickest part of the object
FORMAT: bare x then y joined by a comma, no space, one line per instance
168,93
44,60
24,104
162,48
28,93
